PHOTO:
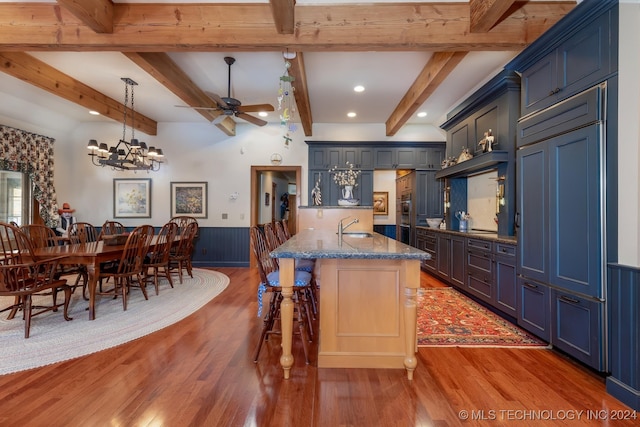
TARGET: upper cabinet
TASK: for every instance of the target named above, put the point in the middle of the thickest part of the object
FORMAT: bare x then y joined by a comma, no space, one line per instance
493,108
429,158
580,59
326,157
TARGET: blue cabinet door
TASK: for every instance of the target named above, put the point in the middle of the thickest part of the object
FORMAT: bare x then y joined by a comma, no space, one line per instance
534,308
506,292
533,212
575,249
577,327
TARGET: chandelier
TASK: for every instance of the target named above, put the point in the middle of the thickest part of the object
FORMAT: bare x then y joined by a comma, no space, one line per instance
126,155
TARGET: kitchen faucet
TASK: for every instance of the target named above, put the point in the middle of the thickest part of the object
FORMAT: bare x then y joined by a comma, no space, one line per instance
341,228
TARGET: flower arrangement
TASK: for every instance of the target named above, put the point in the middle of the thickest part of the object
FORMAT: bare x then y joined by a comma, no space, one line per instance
347,176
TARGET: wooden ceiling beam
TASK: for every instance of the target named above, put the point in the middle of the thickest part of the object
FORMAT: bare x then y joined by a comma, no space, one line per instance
140,27
432,75
95,14
301,92
283,15
484,14
167,72
31,70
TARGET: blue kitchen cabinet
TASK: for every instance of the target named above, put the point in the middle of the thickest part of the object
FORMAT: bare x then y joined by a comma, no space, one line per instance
534,308
533,205
480,269
394,158
429,158
506,291
577,327
429,196
579,62
575,195
458,274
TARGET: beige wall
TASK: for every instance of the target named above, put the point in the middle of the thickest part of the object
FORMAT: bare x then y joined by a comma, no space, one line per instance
328,219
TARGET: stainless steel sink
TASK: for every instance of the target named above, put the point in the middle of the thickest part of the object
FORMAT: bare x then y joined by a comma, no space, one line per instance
359,234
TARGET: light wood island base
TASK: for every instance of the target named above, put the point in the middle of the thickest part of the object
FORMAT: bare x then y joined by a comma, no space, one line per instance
368,313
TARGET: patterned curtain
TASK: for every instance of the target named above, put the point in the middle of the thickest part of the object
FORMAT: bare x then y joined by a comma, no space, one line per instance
26,152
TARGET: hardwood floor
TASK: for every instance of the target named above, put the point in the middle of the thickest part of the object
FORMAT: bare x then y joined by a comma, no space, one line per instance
199,372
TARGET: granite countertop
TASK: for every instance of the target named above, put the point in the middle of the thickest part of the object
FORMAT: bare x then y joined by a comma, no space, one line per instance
483,235
325,244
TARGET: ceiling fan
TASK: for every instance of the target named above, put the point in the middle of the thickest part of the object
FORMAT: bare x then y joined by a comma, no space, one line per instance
232,107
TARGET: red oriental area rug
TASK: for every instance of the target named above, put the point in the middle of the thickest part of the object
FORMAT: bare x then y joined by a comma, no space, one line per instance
448,318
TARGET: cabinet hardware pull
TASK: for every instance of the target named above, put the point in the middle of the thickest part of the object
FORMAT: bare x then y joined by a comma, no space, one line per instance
568,299
530,285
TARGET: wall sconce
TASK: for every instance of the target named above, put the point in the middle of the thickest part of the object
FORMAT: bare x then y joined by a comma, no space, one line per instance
500,199
447,199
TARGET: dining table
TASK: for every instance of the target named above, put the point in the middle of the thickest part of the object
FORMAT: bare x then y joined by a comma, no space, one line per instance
90,254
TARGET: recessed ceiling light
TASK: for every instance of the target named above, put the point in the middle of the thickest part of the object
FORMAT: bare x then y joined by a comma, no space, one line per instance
422,114
358,88
263,114
94,113
351,114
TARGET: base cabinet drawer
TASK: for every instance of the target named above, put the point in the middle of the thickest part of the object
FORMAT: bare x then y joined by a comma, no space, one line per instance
534,306
480,283
577,327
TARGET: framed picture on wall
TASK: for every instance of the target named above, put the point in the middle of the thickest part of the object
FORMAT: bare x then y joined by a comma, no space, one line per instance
381,203
132,198
189,198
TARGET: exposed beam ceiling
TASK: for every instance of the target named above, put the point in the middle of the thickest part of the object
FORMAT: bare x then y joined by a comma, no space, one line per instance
247,27
300,91
436,70
36,72
484,14
144,32
283,15
163,69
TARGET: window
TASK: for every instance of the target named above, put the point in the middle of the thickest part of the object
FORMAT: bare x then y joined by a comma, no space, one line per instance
15,197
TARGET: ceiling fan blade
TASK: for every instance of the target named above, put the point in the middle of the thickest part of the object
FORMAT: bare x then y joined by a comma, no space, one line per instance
251,119
198,108
255,108
217,99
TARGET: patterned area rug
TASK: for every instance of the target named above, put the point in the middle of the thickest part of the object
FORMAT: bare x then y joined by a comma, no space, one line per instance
54,340
448,318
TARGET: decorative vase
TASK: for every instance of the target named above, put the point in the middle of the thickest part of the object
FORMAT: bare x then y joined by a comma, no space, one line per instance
347,192
347,197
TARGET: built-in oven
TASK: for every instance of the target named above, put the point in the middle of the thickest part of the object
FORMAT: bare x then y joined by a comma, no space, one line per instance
405,209
405,218
405,234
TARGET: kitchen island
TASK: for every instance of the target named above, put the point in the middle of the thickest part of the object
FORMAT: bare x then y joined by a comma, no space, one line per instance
367,306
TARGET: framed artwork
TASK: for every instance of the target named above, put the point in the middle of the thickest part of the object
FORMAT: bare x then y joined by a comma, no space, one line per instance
132,198
381,203
189,198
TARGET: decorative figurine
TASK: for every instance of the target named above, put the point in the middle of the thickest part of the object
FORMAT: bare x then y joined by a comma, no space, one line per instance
316,193
487,142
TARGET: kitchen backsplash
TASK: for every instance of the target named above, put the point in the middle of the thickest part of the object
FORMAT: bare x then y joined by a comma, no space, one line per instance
481,200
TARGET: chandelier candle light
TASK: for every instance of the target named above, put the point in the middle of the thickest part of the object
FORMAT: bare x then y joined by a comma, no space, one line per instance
347,179
126,155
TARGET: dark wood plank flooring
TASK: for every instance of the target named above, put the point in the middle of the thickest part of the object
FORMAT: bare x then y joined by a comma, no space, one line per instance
199,372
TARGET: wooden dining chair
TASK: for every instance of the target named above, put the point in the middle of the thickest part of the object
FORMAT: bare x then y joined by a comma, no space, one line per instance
21,277
270,284
285,226
110,228
275,235
82,232
42,236
280,233
158,259
182,221
182,252
128,272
